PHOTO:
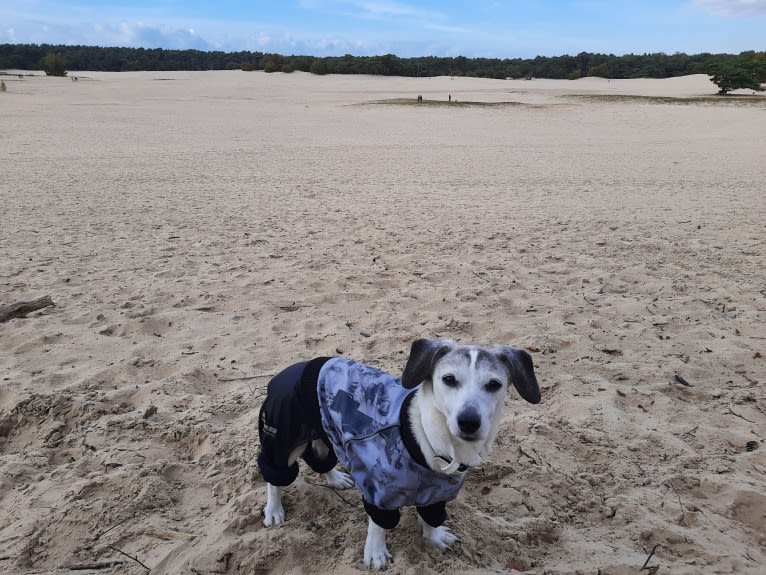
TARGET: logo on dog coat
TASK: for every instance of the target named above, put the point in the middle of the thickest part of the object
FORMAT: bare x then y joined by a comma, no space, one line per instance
268,430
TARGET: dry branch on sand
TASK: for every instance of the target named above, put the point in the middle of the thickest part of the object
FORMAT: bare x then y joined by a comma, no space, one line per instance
22,308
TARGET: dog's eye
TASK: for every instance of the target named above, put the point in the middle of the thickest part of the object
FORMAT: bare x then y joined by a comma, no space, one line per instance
449,380
493,386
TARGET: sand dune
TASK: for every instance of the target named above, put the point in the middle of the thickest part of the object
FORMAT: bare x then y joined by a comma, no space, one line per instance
199,231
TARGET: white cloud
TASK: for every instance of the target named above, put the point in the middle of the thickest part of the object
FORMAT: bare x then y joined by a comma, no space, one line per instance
375,10
152,36
387,9
281,42
732,7
448,29
125,33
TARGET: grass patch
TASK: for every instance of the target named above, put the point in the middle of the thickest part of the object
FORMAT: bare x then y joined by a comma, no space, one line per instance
729,100
442,103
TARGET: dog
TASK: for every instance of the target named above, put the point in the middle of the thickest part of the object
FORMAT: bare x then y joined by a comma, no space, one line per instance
403,442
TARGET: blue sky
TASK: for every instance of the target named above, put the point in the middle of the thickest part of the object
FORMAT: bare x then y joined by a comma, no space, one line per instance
501,29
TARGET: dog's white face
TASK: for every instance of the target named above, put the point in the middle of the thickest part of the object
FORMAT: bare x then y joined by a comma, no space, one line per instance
469,385
466,385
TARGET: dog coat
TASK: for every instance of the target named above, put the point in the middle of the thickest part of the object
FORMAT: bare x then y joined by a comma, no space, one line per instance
363,414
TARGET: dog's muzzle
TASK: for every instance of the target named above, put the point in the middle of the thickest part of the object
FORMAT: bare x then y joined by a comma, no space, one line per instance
469,422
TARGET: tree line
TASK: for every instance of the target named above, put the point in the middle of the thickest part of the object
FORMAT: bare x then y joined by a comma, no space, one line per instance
656,65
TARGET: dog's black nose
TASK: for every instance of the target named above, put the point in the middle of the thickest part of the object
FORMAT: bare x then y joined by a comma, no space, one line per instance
469,421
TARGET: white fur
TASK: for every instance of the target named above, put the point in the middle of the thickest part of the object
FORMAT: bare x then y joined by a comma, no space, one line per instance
376,553
435,412
440,405
273,513
440,536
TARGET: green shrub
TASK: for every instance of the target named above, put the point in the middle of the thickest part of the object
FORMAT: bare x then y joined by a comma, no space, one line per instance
600,71
54,65
730,77
318,67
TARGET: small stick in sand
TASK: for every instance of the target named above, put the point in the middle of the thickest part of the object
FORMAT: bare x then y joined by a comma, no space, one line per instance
246,377
95,566
480,276
651,554
691,431
129,557
740,416
112,527
333,489
682,381
683,513
22,308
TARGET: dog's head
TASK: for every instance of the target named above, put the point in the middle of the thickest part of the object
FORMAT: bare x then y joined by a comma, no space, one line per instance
469,383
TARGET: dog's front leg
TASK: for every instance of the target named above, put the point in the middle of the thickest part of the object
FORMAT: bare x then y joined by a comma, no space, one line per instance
440,536
376,553
273,513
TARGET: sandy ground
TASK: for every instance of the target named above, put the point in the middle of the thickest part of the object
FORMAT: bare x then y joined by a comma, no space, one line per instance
200,231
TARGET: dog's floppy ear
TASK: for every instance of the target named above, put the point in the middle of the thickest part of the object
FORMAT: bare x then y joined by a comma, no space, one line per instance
423,356
522,371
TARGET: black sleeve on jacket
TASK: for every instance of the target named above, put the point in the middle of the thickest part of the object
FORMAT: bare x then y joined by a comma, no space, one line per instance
382,517
435,514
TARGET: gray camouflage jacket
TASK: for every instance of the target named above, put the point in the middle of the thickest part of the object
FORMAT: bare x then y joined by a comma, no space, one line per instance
360,408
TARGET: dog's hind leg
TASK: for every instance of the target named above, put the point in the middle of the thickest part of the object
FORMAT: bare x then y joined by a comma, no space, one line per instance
440,536
274,513
335,478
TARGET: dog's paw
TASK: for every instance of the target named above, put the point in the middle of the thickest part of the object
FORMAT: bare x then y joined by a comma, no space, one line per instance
440,536
339,479
273,515
376,557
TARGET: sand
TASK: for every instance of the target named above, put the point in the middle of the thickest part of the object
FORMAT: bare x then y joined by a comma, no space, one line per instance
200,231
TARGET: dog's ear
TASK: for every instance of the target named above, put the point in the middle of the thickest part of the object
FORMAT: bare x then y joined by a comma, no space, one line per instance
522,371
423,355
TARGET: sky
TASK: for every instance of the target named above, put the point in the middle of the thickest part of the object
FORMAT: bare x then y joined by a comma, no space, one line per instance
406,28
